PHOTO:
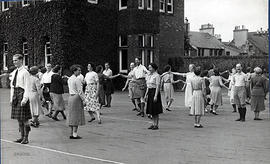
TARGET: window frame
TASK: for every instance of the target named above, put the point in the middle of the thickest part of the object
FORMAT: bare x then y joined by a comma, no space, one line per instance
141,7
120,41
120,5
162,3
46,53
3,5
170,3
143,40
25,54
27,4
121,60
5,53
93,1
151,5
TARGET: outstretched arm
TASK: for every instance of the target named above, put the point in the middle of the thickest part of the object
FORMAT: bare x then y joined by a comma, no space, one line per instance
126,84
179,74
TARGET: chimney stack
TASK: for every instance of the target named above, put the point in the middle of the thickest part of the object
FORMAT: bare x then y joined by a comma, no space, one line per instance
240,35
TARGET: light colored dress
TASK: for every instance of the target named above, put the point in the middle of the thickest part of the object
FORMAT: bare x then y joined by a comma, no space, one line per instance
168,86
231,91
34,95
216,94
75,102
188,91
92,103
197,98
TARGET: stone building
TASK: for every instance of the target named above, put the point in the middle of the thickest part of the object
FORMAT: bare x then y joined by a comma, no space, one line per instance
66,32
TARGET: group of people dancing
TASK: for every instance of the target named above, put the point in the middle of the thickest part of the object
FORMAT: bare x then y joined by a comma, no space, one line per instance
31,89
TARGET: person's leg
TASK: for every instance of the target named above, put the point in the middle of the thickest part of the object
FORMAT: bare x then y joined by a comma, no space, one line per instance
75,131
199,120
142,104
255,115
134,103
54,117
92,116
234,108
109,100
215,110
21,130
98,117
71,131
63,114
155,122
244,110
27,129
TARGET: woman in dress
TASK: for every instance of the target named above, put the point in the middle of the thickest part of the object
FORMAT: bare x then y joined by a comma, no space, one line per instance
154,104
231,90
35,96
216,94
56,93
167,83
258,92
91,92
131,84
188,92
76,102
198,97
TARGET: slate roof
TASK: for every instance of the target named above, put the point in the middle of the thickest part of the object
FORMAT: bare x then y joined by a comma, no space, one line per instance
204,40
259,40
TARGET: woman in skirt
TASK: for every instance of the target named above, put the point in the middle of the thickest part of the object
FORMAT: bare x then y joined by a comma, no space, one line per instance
154,105
216,94
167,83
188,92
56,92
131,84
231,90
258,92
207,98
197,99
91,93
35,96
76,102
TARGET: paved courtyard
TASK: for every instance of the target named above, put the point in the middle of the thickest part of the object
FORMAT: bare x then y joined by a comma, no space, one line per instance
123,138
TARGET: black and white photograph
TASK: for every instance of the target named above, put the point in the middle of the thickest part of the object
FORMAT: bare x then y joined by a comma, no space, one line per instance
134,82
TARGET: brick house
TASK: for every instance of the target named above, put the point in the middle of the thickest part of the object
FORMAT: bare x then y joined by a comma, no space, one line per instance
66,32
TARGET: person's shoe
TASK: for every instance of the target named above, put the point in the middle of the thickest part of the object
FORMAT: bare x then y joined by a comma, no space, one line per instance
19,140
106,106
214,113
149,116
64,117
243,120
168,109
151,127
55,119
92,119
239,119
155,128
72,137
190,114
234,111
99,122
198,126
135,109
25,141
258,119
109,106
142,115
49,115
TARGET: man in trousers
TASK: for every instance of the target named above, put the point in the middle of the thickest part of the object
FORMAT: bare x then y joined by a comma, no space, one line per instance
240,82
19,98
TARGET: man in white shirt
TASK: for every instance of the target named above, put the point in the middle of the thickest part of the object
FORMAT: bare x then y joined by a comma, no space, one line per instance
108,85
46,82
239,80
140,73
19,98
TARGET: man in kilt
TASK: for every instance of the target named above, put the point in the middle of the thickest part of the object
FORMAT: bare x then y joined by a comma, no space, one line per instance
19,98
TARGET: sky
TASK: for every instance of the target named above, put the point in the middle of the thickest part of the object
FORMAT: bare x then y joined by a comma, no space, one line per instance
226,14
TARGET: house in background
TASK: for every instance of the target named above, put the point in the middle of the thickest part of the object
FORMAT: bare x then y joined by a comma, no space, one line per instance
81,31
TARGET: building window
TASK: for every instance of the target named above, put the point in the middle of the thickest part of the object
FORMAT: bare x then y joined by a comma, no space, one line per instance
93,1
25,3
48,53
149,40
5,5
162,6
216,52
211,52
5,53
141,4
48,0
228,53
220,52
123,53
170,6
123,42
25,54
122,4
149,4
141,40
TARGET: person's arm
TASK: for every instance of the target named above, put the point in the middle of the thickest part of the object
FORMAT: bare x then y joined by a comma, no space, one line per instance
157,88
179,74
146,94
98,88
26,78
184,86
111,77
124,76
126,84
221,83
80,89
165,73
203,88
39,89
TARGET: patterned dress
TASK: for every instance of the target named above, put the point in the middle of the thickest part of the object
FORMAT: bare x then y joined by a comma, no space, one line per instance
92,102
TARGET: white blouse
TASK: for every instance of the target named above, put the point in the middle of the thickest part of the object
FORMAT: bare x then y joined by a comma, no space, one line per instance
153,80
75,86
91,77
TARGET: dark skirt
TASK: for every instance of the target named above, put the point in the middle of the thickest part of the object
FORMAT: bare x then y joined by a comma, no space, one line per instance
46,92
19,112
257,103
101,95
153,108
108,87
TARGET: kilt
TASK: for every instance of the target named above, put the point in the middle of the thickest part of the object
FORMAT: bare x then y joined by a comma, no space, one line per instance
108,87
58,102
153,108
141,87
133,90
19,112
240,95
101,95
